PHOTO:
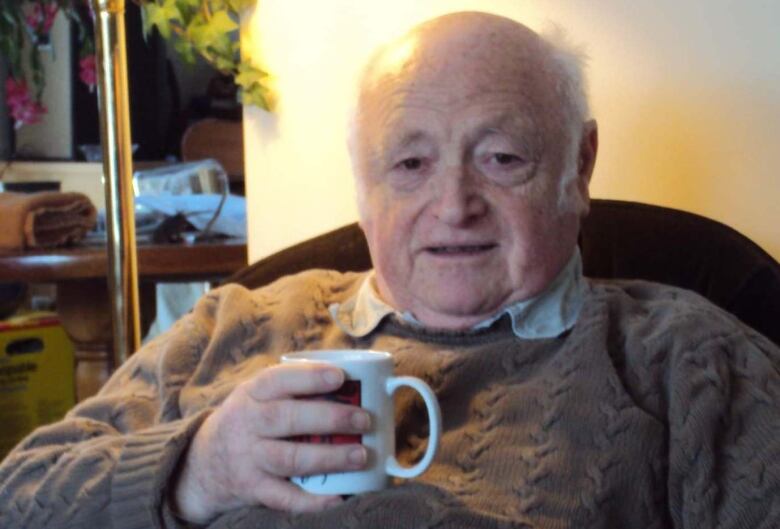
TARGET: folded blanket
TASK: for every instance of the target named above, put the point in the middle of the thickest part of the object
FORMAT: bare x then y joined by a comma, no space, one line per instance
44,220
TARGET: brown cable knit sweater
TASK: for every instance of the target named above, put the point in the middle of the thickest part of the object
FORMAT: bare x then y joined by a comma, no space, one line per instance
656,410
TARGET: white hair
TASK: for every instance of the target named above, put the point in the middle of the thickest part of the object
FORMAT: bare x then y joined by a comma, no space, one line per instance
364,74
568,62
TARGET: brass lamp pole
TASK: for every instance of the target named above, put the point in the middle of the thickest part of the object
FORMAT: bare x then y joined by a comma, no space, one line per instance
117,179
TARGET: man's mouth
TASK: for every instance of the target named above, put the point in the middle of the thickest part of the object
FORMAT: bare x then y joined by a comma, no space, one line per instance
460,250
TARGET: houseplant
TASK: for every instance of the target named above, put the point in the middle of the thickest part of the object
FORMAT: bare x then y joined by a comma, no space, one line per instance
208,28
25,28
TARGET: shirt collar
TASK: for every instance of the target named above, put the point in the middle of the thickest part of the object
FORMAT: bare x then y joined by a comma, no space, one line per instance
547,315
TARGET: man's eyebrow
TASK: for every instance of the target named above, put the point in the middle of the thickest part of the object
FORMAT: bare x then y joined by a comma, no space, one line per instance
390,146
519,127
407,139
396,143
503,123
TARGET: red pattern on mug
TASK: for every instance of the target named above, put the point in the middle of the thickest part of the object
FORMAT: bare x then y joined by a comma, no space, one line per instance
348,393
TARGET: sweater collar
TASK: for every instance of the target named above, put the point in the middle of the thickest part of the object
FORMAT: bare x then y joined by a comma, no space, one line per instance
547,315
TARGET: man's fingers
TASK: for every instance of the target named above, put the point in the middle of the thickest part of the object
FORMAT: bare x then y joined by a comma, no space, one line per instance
289,380
285,418
290,458
285,496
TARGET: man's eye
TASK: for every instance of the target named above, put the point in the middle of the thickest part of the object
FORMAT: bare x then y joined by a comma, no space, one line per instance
502,158
409,173
411,164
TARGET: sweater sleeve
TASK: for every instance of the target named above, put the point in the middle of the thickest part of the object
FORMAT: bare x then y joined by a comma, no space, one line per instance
724,433
108,462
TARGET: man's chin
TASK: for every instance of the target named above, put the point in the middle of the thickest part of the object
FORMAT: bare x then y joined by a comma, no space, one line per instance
454,312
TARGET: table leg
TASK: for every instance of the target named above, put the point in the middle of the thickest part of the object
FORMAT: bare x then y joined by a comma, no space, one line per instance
85,313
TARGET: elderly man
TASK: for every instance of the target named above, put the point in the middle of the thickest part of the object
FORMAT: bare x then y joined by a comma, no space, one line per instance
566,403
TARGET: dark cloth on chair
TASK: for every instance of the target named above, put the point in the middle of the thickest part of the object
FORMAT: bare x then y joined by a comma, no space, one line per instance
618,240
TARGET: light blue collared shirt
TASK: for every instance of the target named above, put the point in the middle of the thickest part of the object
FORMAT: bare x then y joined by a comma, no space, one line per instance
547,315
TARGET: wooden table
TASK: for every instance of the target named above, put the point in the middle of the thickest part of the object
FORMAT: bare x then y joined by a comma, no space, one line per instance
80,274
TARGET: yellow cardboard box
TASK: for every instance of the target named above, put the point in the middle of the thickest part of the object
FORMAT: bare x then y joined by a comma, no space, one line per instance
36,375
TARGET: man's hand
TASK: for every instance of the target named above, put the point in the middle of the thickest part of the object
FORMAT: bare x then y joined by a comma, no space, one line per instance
241,456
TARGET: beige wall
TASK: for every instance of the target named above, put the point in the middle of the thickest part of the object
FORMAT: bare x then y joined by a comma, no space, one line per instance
687,95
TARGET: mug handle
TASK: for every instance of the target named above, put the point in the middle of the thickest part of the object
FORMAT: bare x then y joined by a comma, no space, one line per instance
392,466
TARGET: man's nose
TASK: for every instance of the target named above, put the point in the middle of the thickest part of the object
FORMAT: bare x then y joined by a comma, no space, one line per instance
459,199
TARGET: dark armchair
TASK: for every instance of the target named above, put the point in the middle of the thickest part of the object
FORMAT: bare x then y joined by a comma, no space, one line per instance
618,240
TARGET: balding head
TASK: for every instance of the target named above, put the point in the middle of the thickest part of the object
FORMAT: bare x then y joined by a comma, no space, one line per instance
496,47
472,162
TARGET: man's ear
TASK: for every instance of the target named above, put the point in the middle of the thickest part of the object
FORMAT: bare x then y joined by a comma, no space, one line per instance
586,159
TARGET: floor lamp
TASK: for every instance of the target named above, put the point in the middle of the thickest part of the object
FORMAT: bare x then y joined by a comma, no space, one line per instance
117,176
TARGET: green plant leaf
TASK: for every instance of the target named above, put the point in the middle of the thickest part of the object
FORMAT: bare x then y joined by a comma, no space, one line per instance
194,27
189,7
240,5
206,33
185,50
249,75
257,96
253,91
161,16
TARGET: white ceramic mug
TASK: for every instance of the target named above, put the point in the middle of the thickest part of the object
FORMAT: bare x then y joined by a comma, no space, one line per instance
369,384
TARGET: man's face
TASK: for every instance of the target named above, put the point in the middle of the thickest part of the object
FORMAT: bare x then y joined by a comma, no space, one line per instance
460,164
